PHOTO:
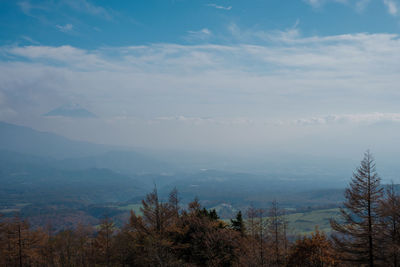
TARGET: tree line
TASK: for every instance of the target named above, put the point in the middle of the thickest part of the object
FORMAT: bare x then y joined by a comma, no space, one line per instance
165,234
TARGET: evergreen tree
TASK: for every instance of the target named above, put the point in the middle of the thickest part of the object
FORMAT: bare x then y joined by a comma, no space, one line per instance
206,241
356,233
238,224
212,214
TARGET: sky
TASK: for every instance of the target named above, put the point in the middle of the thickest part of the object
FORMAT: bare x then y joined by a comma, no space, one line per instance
319,77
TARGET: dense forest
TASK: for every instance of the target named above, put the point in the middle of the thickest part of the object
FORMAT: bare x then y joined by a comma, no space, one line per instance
166,234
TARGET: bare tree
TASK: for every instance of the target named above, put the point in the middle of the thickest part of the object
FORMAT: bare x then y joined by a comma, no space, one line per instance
103,241
356,232
390,215
261,234
256,227
277,227
173,200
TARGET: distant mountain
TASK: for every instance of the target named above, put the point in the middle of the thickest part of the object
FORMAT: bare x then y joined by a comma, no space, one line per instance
28,141
72,110
29,179
127,162
71,154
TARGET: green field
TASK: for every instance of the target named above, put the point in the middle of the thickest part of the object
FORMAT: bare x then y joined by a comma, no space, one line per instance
134,207
305,222
14,208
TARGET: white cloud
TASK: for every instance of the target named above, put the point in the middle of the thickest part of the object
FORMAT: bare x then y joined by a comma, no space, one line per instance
65,28
343,119
212,120
250,36
355,119
210,94
391,6
351,54
66,53
220,7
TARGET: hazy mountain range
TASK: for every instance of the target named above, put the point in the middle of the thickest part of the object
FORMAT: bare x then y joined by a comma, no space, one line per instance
36,157
43,173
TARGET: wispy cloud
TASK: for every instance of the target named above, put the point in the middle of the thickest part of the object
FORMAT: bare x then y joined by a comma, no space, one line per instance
36,10
391,6
90,8
65,28
32,9
202,34
210,120
29,39
314,3
319,3
354,119
361,5
251,35
27,7
361,53
220,7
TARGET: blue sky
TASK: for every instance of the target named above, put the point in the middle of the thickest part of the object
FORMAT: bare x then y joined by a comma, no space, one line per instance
320,76
92,24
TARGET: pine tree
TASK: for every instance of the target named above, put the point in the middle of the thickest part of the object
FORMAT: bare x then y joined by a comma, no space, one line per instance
238,224
356,234
206,240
